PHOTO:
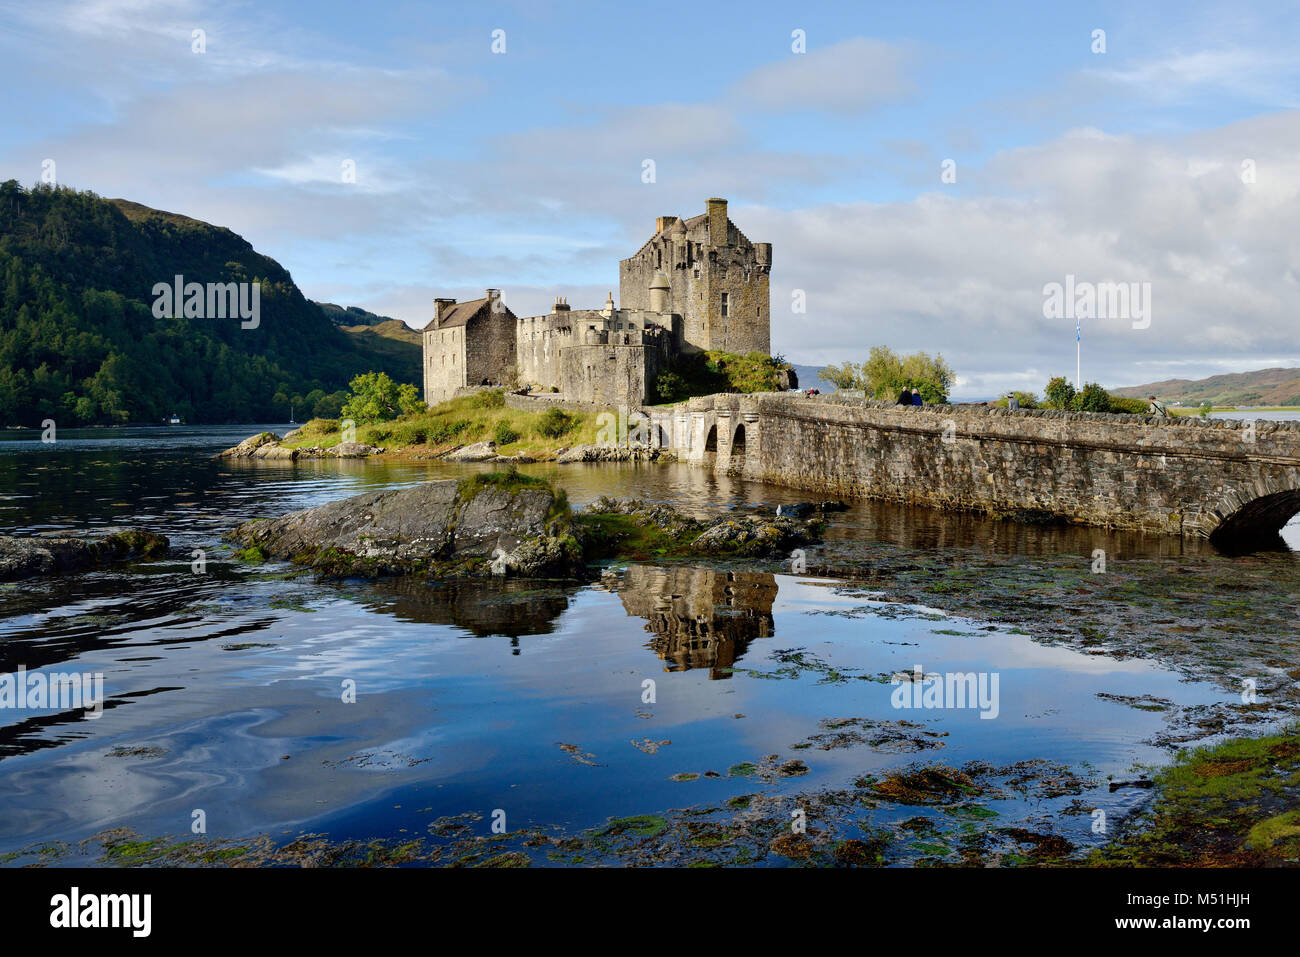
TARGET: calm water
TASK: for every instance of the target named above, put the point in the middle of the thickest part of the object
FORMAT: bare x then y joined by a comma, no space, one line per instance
227,686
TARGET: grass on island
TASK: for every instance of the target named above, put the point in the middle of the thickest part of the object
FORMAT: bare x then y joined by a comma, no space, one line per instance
464,421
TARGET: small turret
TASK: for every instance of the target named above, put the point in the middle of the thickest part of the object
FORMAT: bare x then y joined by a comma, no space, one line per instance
659,293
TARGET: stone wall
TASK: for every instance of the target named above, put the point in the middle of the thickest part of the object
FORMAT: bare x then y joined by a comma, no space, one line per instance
1181,476
490,348
703,258
608,374
539,341
444,363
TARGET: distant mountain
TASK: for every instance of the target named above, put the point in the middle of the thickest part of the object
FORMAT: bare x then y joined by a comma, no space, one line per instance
80,344
351,315
1264,387
397,343
381,335
809,379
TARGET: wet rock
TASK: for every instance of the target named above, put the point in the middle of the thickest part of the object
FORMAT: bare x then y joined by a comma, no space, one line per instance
478,452
250,445
272,450
664,529
752,535
354,450
31,555
614,453
490,524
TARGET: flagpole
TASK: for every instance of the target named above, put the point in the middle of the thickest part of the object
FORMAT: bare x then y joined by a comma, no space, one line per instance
1078,357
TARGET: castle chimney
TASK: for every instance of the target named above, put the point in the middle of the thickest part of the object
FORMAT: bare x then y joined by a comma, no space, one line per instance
440,308
663,222
561,304
609,305
717,209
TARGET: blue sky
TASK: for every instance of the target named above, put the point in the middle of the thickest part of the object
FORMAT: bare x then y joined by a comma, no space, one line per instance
522,170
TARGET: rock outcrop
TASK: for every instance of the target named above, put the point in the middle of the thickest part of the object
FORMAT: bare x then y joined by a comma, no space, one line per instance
499,523
27,556
266,445
672,532
248,448
614,453
478,452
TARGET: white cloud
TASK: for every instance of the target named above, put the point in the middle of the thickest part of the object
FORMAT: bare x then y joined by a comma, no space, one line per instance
852,76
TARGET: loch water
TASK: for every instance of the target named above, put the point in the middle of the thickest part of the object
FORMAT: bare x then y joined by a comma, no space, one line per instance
228,691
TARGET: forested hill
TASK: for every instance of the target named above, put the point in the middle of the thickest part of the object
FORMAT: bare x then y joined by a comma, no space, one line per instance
79,342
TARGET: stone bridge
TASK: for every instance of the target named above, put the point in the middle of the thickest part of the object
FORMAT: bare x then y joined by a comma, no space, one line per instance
1230,481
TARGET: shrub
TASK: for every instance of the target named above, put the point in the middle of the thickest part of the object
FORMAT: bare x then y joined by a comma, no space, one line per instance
504,434
445,431
669,386
410,433
1121,403
1093,398
554,423
1027,400
492,399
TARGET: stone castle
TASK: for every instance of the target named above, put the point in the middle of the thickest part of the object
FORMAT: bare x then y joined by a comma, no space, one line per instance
697,285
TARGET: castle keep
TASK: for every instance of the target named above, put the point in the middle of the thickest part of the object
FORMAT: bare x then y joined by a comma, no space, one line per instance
697,285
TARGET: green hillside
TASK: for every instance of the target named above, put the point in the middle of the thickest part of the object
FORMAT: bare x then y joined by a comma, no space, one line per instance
79,342
1263,387
398,344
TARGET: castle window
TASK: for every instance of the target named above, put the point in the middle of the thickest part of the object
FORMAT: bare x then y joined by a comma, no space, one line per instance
724,305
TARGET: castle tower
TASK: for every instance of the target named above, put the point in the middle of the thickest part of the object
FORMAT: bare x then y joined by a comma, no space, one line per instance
707,271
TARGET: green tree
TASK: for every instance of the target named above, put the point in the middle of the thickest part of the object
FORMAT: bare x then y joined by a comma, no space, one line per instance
1093,398
330,406
374,397
1060,393
843,376
885,374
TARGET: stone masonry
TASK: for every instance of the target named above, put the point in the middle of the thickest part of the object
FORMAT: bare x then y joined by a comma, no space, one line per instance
698,284
1223,480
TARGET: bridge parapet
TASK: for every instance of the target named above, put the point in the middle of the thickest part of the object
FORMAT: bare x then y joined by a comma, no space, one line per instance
1223,479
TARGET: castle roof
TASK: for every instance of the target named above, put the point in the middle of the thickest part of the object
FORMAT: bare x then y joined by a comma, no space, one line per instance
462,312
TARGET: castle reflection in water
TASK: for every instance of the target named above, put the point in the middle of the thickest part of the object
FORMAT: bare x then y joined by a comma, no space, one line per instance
699,617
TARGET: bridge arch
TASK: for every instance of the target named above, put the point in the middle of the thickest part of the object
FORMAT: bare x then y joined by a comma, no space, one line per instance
1249,521
736,461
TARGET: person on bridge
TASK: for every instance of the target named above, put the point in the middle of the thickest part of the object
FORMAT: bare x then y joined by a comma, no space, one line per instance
1012,402
905,397
1157,407
916,397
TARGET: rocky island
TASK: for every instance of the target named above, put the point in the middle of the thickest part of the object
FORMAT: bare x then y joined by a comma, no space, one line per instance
502,523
